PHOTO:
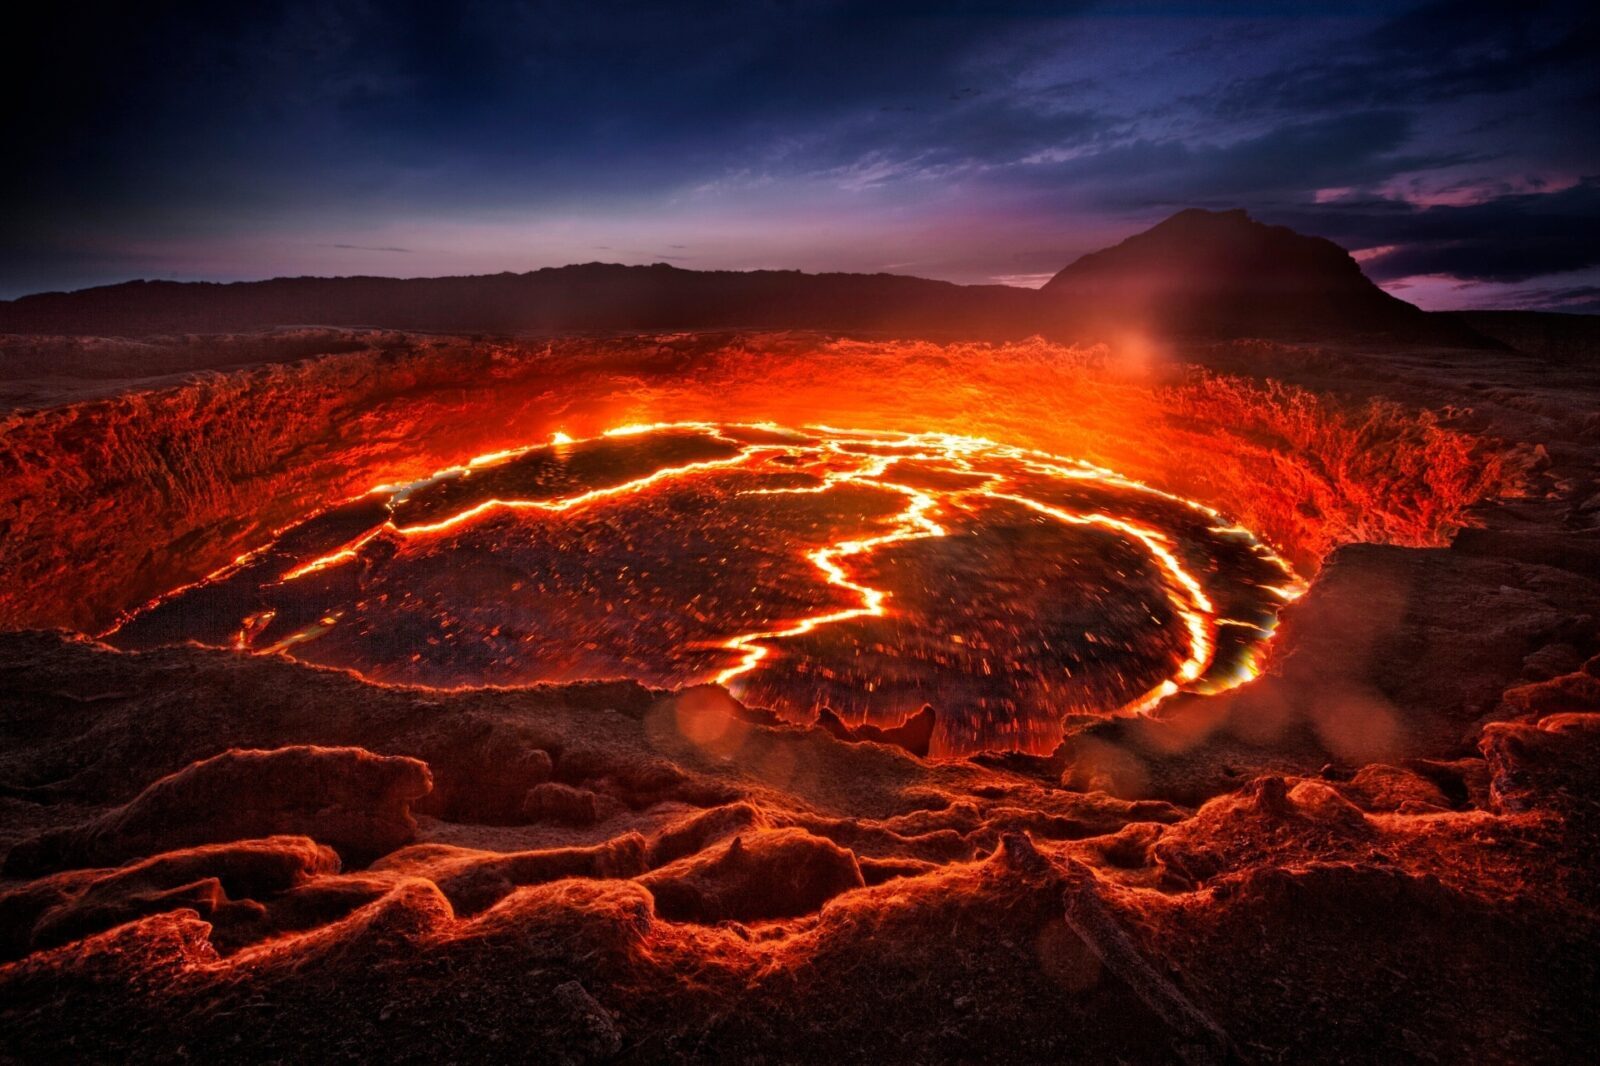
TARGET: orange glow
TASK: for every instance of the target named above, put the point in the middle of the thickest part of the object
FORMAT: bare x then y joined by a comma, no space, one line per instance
343,555
1189,599
1305,472
913,522
841,610
569,502
944,482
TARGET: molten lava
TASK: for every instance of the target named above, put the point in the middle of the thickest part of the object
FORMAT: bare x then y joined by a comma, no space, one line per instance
867,572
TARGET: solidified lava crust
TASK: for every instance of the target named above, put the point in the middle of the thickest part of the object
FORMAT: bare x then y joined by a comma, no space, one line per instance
1382,848
865,573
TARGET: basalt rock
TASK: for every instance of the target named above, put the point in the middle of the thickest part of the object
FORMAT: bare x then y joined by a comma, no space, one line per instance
223,883
555,802
1552,764
349,798
915,734
1393,788
475,880
484,778
777,874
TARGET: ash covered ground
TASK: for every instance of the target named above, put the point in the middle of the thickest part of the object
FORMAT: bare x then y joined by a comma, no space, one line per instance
1382,848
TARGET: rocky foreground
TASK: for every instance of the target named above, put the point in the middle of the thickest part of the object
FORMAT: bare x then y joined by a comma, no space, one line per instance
1383,849
270,859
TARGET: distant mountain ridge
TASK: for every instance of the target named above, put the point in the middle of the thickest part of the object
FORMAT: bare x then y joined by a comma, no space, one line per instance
589,296
1198,273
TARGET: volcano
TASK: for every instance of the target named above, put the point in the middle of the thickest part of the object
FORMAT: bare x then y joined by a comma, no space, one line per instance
934,679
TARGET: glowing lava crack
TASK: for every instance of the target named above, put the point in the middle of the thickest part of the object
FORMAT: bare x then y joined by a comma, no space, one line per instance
869,572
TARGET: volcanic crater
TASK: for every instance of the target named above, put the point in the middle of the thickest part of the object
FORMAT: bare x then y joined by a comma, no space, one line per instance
1204,698
868,574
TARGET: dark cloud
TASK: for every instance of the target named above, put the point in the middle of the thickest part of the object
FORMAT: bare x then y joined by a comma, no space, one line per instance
1291,161
189,137
1507,238
973,131
183,119
1580,299
1440,51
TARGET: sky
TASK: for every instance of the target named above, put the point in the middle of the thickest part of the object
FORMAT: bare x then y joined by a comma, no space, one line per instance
1453,148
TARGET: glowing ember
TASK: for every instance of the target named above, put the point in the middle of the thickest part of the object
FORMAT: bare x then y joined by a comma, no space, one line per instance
867,572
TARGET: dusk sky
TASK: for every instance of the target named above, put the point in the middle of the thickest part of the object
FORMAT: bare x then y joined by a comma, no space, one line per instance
1454,147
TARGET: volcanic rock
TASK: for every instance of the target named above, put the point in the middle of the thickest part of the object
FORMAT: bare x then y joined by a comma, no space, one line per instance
776,874
349,798
1552,661
475,880
1267,816
1575,691
1291,878
466,937
915,734
1553,763
1393,788
220,882
700,830
484,778
1417,935
556,802
1202,1038
596,1036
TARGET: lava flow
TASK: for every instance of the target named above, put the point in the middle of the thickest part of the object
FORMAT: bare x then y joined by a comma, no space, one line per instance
868,572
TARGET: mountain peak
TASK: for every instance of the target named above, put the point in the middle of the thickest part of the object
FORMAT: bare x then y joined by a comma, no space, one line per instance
1223,271
1197,250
